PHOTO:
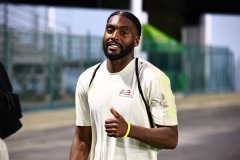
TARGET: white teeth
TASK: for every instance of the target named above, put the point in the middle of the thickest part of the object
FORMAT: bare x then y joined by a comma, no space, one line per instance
113,46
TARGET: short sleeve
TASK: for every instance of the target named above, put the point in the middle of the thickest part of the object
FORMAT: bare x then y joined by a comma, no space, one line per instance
160,97
81,102
168,101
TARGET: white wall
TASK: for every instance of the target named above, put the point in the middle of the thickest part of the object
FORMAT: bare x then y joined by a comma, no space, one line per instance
83,21
223,30
78,21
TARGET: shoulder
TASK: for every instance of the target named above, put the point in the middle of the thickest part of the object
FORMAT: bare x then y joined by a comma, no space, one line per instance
87,74
85,77
148,70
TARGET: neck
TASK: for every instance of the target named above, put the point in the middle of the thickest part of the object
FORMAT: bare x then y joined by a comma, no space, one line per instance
120,64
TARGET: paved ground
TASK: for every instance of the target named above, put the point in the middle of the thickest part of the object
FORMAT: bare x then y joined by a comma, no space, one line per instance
207,134
209,128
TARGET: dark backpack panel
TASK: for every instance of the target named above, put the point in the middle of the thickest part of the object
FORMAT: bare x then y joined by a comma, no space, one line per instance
10,107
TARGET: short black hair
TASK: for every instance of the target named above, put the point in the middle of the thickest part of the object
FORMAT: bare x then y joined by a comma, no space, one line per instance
130,16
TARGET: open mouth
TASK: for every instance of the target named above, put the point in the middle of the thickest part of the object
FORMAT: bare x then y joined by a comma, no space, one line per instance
113,46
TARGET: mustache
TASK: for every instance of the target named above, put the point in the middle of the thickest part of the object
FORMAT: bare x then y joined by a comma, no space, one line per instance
113,42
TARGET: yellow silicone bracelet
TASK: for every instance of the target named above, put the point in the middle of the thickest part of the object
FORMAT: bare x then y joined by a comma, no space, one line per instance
128,130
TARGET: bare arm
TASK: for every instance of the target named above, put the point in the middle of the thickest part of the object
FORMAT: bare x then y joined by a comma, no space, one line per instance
81,144
162,137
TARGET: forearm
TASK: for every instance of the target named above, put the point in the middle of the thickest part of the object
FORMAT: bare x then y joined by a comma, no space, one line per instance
81,144
162,137
79,151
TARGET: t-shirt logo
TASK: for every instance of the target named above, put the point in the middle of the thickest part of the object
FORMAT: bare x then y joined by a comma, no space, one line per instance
126,93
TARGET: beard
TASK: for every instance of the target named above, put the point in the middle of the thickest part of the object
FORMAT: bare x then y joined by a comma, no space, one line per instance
115,56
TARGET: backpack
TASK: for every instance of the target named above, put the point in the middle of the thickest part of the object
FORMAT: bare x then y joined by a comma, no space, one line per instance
139,88
10,108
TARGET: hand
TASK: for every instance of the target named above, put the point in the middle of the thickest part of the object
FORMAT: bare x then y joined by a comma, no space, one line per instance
117,126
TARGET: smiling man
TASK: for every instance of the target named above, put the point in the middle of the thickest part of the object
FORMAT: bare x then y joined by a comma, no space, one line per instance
112,122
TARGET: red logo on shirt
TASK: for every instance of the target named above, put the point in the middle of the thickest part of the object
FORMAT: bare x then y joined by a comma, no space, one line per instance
126,93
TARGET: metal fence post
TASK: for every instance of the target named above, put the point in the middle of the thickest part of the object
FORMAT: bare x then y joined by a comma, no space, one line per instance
88,50
51,70
6,41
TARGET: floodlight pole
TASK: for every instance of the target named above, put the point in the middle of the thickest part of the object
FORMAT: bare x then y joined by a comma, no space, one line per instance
136,9
51,24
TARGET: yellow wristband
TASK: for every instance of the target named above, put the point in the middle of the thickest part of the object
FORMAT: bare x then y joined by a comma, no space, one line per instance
128,130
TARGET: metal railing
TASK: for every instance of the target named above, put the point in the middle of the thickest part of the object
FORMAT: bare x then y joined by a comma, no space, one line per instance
208,69
44,67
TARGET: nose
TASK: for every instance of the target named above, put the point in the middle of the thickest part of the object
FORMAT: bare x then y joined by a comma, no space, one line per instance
115,35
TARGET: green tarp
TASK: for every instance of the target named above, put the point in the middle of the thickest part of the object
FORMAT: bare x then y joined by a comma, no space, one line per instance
153,40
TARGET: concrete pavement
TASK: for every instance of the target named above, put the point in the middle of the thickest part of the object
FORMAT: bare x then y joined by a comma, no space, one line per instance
54,118
205,122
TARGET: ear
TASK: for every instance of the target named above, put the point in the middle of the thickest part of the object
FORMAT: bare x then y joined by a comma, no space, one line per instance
136,42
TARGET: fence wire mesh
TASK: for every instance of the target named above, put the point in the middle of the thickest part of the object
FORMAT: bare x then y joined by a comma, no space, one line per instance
44,67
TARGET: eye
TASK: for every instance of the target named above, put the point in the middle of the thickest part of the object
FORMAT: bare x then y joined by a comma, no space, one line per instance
123,32
109,30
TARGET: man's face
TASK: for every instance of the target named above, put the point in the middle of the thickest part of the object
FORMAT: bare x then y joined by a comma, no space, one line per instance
120,37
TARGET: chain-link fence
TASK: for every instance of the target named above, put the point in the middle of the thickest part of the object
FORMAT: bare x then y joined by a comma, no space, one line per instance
200,69
44,67
208,69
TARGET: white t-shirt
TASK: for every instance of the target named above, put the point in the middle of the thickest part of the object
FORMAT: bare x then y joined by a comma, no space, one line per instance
3,150
120,91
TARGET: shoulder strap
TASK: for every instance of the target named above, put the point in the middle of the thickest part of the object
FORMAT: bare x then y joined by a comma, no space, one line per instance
139,88
94,73
144,100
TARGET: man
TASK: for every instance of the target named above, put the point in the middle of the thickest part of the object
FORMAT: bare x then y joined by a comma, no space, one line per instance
112,122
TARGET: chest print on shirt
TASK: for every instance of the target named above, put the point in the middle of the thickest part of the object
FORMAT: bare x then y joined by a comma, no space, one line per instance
126,93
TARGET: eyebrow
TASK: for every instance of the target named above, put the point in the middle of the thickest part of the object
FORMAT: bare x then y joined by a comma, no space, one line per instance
122,27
